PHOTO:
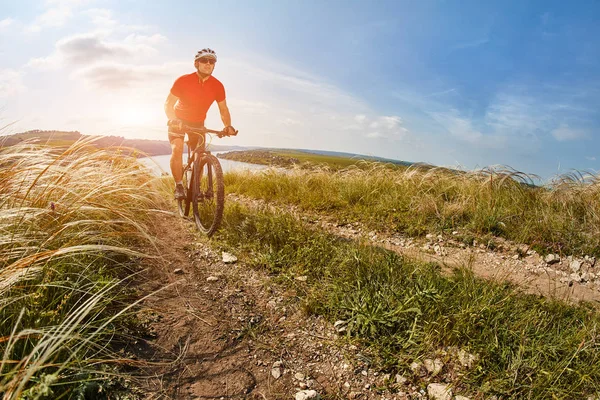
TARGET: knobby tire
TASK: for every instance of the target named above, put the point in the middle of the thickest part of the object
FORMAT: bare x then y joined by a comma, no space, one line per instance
208,201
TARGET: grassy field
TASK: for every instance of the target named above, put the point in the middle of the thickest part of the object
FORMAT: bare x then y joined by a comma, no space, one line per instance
298,158
70,224
331,161
399,312
562,217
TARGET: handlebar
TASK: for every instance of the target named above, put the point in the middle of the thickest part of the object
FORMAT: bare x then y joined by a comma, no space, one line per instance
195,130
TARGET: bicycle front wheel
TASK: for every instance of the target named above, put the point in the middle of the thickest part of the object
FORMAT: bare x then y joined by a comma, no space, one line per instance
209,200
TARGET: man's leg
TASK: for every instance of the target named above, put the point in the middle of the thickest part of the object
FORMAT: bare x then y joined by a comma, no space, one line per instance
177,163
176,159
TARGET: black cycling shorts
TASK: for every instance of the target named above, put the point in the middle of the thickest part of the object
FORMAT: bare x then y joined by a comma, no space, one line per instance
175,133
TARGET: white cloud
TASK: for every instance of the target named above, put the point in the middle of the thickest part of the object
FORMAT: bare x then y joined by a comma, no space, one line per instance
380,127
53,61
390,123
10,82
518,117
54,17
290,122
516,113
57,14
122,76
462,129
137,39
360,118
590,158
250,107
6,22
290,82
565,133
90,48
374,135
67,3
87,49
283,106
101,18
104,22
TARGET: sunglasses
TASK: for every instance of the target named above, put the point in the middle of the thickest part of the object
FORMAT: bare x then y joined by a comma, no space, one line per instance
207,61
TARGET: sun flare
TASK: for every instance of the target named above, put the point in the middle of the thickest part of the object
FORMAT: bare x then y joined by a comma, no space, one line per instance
133,115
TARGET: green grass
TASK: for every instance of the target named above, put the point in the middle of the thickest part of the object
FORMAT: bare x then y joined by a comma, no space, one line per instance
69,226
70,223
403,311
301,159
334,162
563,216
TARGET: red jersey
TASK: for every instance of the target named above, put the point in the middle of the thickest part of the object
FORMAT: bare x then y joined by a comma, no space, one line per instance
195,96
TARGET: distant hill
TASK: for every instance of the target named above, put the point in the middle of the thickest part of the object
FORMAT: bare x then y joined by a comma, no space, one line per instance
162,147
289,157
62,138
52,137
354,156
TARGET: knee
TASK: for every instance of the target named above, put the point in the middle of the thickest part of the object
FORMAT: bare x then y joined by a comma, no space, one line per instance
176,149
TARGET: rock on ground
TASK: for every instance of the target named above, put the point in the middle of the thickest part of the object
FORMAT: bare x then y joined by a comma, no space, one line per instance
439,391
307,395
228,258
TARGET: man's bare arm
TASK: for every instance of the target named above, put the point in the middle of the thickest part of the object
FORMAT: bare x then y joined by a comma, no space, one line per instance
170,106
224,110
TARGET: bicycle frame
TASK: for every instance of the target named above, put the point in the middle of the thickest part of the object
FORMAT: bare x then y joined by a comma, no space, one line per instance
196,154
200,149
204,181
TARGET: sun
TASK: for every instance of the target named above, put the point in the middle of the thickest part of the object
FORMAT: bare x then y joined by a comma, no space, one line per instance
133,115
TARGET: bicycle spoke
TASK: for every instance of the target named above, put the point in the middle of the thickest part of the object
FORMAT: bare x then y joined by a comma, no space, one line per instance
203,184
208,205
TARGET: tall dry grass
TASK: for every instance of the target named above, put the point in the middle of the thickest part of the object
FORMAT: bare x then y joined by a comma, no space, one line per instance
562,216
70,223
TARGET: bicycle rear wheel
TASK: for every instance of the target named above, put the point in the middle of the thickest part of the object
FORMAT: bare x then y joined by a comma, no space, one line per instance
209,202
185,203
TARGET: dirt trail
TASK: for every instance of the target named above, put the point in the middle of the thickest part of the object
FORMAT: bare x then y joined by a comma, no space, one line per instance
197,351
220,328
224,331
509,262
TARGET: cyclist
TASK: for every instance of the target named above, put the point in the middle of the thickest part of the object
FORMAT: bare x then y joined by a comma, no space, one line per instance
188,102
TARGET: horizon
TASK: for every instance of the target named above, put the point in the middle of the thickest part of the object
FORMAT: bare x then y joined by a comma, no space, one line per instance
455,84
536,180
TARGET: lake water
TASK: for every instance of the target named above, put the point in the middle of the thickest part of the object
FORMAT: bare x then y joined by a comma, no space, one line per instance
160,164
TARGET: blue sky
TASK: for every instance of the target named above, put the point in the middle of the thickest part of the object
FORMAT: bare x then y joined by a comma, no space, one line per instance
454,83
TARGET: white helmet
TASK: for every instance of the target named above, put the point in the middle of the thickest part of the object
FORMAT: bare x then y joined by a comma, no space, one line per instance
206,53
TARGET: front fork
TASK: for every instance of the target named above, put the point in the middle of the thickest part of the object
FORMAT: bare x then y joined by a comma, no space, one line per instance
202,195
207,194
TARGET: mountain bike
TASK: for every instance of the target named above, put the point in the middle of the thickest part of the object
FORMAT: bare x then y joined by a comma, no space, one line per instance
202,182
